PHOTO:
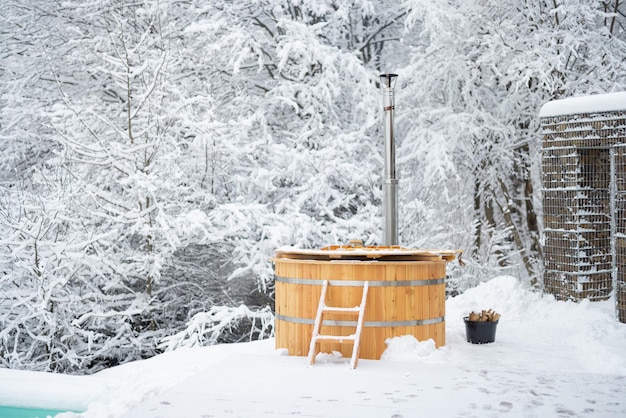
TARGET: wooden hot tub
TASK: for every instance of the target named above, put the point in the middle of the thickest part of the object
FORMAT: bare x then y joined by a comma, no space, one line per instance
406,295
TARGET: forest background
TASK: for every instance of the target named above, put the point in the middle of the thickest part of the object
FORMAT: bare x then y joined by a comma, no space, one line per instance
154,154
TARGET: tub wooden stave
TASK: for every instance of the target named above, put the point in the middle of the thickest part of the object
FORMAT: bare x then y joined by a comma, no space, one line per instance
404,298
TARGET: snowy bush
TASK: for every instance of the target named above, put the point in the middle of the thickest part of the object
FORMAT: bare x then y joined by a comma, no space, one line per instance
217,325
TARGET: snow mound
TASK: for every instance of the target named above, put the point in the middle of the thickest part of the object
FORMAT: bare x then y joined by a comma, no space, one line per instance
556,334
407,348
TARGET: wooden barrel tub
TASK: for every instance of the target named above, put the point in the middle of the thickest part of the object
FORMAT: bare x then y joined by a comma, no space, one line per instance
406,296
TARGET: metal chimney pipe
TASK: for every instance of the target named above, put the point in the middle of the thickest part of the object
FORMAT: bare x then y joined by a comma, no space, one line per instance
390,183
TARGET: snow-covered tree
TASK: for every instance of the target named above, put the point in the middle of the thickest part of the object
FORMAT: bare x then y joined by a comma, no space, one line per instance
188,141
156,153
479,73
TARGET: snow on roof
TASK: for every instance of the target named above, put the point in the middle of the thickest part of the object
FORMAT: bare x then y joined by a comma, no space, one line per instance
584,104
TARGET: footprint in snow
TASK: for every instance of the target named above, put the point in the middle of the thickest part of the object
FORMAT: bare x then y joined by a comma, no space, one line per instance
505,406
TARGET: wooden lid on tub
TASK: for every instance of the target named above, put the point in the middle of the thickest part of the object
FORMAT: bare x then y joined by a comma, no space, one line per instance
370,252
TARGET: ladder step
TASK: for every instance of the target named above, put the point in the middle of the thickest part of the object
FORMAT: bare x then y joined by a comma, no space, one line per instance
356,309
336,338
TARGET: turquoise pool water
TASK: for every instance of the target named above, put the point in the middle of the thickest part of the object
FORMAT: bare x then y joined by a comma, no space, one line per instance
13,412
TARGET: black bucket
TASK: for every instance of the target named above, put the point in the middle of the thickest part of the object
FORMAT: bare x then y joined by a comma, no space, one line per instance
480,332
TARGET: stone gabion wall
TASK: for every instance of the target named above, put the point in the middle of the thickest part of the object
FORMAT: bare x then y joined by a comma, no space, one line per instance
578,193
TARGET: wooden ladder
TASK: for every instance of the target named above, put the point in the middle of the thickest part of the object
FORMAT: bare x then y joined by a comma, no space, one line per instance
354,339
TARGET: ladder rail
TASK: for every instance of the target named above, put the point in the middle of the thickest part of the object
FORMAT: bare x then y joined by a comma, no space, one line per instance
359,328
318,322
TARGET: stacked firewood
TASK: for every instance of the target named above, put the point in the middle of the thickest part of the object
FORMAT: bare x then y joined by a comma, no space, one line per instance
484,316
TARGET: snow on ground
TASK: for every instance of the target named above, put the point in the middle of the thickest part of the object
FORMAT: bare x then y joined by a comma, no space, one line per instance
550,359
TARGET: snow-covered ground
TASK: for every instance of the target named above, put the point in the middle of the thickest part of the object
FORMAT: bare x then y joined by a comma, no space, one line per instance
549,359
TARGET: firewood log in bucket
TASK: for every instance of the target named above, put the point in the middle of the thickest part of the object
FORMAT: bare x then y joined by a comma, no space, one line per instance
480,327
